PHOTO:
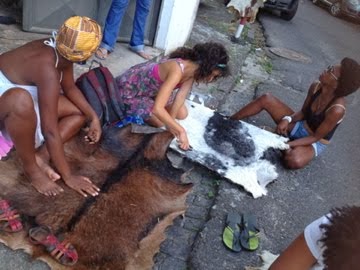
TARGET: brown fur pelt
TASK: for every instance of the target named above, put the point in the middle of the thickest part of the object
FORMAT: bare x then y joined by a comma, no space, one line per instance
122,228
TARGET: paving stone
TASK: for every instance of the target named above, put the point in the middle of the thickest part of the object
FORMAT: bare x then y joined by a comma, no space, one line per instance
170,263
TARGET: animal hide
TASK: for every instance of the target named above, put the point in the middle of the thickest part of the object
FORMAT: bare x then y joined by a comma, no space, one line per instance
122,228
234,149
267,259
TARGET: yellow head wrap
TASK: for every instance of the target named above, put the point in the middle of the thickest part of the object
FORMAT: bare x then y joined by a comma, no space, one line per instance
78,38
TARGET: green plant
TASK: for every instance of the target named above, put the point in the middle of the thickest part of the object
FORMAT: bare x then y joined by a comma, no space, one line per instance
216,182
266,65
245,32
212,89
210,194
237,81
254,83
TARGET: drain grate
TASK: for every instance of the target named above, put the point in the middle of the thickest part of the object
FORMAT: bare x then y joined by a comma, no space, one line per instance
290,54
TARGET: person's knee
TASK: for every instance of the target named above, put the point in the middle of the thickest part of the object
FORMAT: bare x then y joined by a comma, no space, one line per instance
67,108
182,114
118,5
144,5
266,99
18,101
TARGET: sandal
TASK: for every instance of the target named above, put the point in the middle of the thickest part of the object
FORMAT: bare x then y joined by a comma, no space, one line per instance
9,218
249,235
102,53
63,252
231,234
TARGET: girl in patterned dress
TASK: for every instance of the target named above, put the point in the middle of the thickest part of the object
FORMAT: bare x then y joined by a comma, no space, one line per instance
156,92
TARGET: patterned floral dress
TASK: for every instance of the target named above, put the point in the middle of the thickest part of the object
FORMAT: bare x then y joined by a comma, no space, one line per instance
138,88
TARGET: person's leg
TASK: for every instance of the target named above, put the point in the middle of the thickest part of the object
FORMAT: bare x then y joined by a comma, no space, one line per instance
182,113
18,117
139,23
275,107
70,122
112,24
154,121
298,157
71,119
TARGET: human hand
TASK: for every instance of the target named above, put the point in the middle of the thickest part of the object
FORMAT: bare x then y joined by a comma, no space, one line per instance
94,131
82,184
183,141
282,128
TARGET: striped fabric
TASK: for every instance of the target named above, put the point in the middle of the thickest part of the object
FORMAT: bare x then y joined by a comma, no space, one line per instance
78,38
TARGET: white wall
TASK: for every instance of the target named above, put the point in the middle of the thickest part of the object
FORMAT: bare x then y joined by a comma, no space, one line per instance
176,20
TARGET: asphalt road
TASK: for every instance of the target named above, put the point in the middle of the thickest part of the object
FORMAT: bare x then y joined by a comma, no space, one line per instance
315,33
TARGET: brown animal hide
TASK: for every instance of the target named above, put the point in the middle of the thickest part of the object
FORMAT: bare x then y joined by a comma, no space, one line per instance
122,228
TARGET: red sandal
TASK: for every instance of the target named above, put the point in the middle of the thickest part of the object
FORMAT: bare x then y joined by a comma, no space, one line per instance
63,252
10,220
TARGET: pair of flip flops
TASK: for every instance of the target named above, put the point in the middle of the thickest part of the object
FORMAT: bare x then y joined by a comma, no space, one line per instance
61,250
241,232
10,220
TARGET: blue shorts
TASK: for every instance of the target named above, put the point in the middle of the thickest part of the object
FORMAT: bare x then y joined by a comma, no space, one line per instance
299,131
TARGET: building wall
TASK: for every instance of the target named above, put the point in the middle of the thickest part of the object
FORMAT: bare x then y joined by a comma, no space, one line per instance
175,23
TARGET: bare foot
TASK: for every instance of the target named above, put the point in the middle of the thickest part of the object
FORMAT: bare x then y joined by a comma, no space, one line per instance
43,184
45,167
144,55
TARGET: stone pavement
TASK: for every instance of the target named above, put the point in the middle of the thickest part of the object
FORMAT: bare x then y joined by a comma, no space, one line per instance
195,239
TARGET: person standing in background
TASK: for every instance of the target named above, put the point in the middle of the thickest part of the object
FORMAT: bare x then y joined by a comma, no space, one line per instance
112,26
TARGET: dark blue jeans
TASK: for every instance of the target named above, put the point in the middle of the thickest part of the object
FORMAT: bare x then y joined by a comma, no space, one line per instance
113,22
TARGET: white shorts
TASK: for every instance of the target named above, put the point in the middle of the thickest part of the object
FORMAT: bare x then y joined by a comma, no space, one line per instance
5,85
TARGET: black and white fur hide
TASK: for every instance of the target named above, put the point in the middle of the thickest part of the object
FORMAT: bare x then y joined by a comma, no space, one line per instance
234,149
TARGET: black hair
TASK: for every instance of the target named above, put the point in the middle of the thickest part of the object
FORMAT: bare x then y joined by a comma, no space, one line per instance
349,80
210,56
341,239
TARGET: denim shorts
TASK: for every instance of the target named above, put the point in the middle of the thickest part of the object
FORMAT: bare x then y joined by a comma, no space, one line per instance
299,131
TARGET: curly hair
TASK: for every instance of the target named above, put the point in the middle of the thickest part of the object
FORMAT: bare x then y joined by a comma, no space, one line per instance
210,56
342,239
349,80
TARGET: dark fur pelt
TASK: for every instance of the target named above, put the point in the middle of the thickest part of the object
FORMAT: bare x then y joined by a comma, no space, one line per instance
136,191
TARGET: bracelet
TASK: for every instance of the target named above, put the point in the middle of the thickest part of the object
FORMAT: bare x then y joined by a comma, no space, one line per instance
287,118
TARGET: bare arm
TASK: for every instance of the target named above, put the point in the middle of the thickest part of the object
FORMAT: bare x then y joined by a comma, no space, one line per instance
297,256
333,116
48,95
283,126
172,79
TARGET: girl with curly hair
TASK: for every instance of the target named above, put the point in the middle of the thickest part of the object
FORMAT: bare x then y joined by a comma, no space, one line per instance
156,92
310,129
